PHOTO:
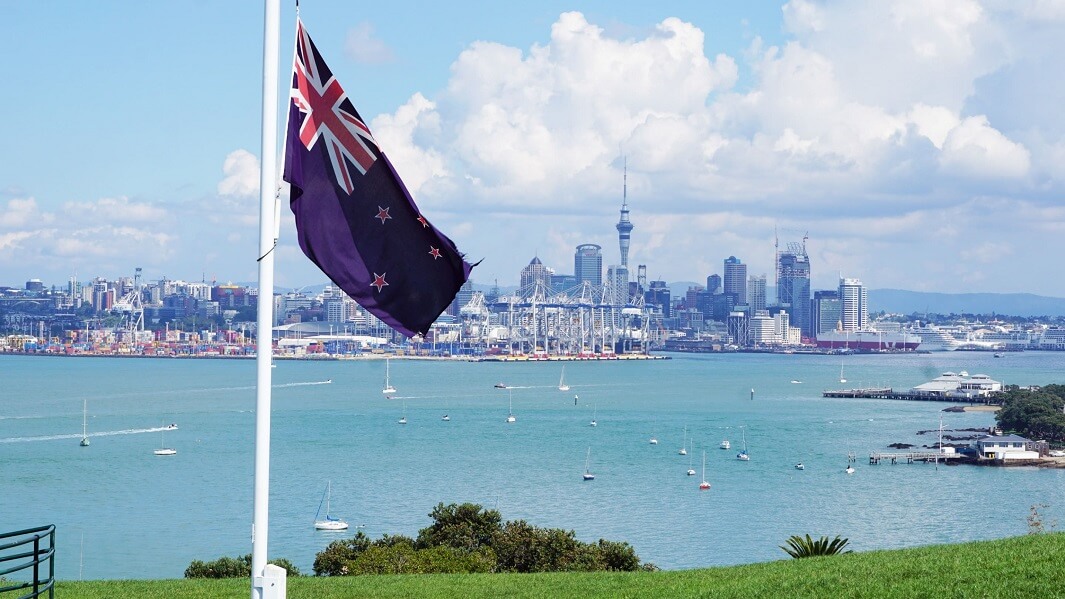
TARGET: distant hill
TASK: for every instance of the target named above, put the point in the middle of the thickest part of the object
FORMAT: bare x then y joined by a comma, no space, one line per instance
1012,304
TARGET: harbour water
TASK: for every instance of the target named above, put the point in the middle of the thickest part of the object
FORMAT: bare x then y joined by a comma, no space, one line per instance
123,512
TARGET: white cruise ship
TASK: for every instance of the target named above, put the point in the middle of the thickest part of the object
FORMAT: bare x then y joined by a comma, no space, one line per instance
934,338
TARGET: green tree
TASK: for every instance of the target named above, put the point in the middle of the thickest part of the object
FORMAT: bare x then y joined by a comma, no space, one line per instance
462,526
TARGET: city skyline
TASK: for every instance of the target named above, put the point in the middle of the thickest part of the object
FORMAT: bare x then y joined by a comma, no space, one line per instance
918,145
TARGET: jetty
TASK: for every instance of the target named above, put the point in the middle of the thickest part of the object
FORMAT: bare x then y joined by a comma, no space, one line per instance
913,456
911,395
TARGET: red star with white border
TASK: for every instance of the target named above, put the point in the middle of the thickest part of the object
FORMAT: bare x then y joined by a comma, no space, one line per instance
434,252
379,281
425,223
382,213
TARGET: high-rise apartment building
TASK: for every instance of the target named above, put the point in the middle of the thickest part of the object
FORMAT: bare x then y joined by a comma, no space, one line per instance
793,285
618,283
756,293
735,280
588,264
853,305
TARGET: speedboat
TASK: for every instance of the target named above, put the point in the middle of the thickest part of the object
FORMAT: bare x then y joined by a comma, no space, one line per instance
500,386
446,418
800,466
171,427
726,445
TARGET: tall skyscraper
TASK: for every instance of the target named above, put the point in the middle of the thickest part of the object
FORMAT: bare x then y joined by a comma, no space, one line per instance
735,280
618,283
793,285
624,226
756,293
533,275
588,264
853,305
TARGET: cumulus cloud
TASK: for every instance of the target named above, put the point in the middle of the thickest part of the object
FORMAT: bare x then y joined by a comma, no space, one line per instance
862,120
241,170
21,212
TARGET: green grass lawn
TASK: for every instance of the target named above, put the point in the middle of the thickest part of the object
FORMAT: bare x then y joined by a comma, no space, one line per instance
1031,566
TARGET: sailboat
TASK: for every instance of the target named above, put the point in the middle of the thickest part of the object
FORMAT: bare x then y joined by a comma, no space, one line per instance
654,439
510,413
704,486
389,389
593,422
403,419
329,523
842,379
742,455
85,423
562,386
163,449
683,450
588,473
691,471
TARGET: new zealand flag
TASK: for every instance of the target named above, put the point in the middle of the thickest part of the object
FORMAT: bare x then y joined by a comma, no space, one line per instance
354,217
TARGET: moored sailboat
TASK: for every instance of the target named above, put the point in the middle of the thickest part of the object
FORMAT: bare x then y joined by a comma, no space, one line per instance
329,522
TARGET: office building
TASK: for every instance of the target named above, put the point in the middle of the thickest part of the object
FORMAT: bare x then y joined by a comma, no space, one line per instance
735,280
588,264
853,305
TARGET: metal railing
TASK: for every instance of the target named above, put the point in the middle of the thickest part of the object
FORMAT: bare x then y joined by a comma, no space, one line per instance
33,560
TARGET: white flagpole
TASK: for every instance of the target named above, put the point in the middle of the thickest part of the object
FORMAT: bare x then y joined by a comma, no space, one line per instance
261,586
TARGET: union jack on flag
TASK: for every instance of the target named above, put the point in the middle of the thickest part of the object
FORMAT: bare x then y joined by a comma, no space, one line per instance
330,116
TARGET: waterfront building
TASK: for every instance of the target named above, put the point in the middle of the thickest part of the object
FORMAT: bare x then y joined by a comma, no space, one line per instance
588,264
735,280
762,329
824,311
793,285
854,302
756,293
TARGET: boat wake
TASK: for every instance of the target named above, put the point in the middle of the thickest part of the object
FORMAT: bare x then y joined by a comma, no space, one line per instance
129,431
325,382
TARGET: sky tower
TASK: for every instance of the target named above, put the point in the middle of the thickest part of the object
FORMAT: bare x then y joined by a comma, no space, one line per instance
624,226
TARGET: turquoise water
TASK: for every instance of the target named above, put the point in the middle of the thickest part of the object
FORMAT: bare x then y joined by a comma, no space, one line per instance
123,512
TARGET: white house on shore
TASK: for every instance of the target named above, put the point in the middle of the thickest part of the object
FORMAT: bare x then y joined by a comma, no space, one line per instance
1004,447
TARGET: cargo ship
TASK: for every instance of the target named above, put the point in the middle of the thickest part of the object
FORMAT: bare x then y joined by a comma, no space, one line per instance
868,340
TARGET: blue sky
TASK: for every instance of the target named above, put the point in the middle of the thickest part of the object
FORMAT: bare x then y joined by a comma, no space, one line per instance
920,145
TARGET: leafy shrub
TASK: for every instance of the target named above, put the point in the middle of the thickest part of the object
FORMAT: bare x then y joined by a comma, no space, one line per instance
462,526
232,567
334,559
806,547
468,538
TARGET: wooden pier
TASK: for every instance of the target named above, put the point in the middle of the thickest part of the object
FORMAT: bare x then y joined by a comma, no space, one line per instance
889,393
912,456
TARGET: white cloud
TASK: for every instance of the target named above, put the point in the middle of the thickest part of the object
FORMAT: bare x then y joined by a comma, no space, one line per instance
21,212
241,170
975,149
115,210
364,47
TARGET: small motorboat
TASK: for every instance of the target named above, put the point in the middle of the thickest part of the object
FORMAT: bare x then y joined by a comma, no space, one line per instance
849,470
800,466
500,386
